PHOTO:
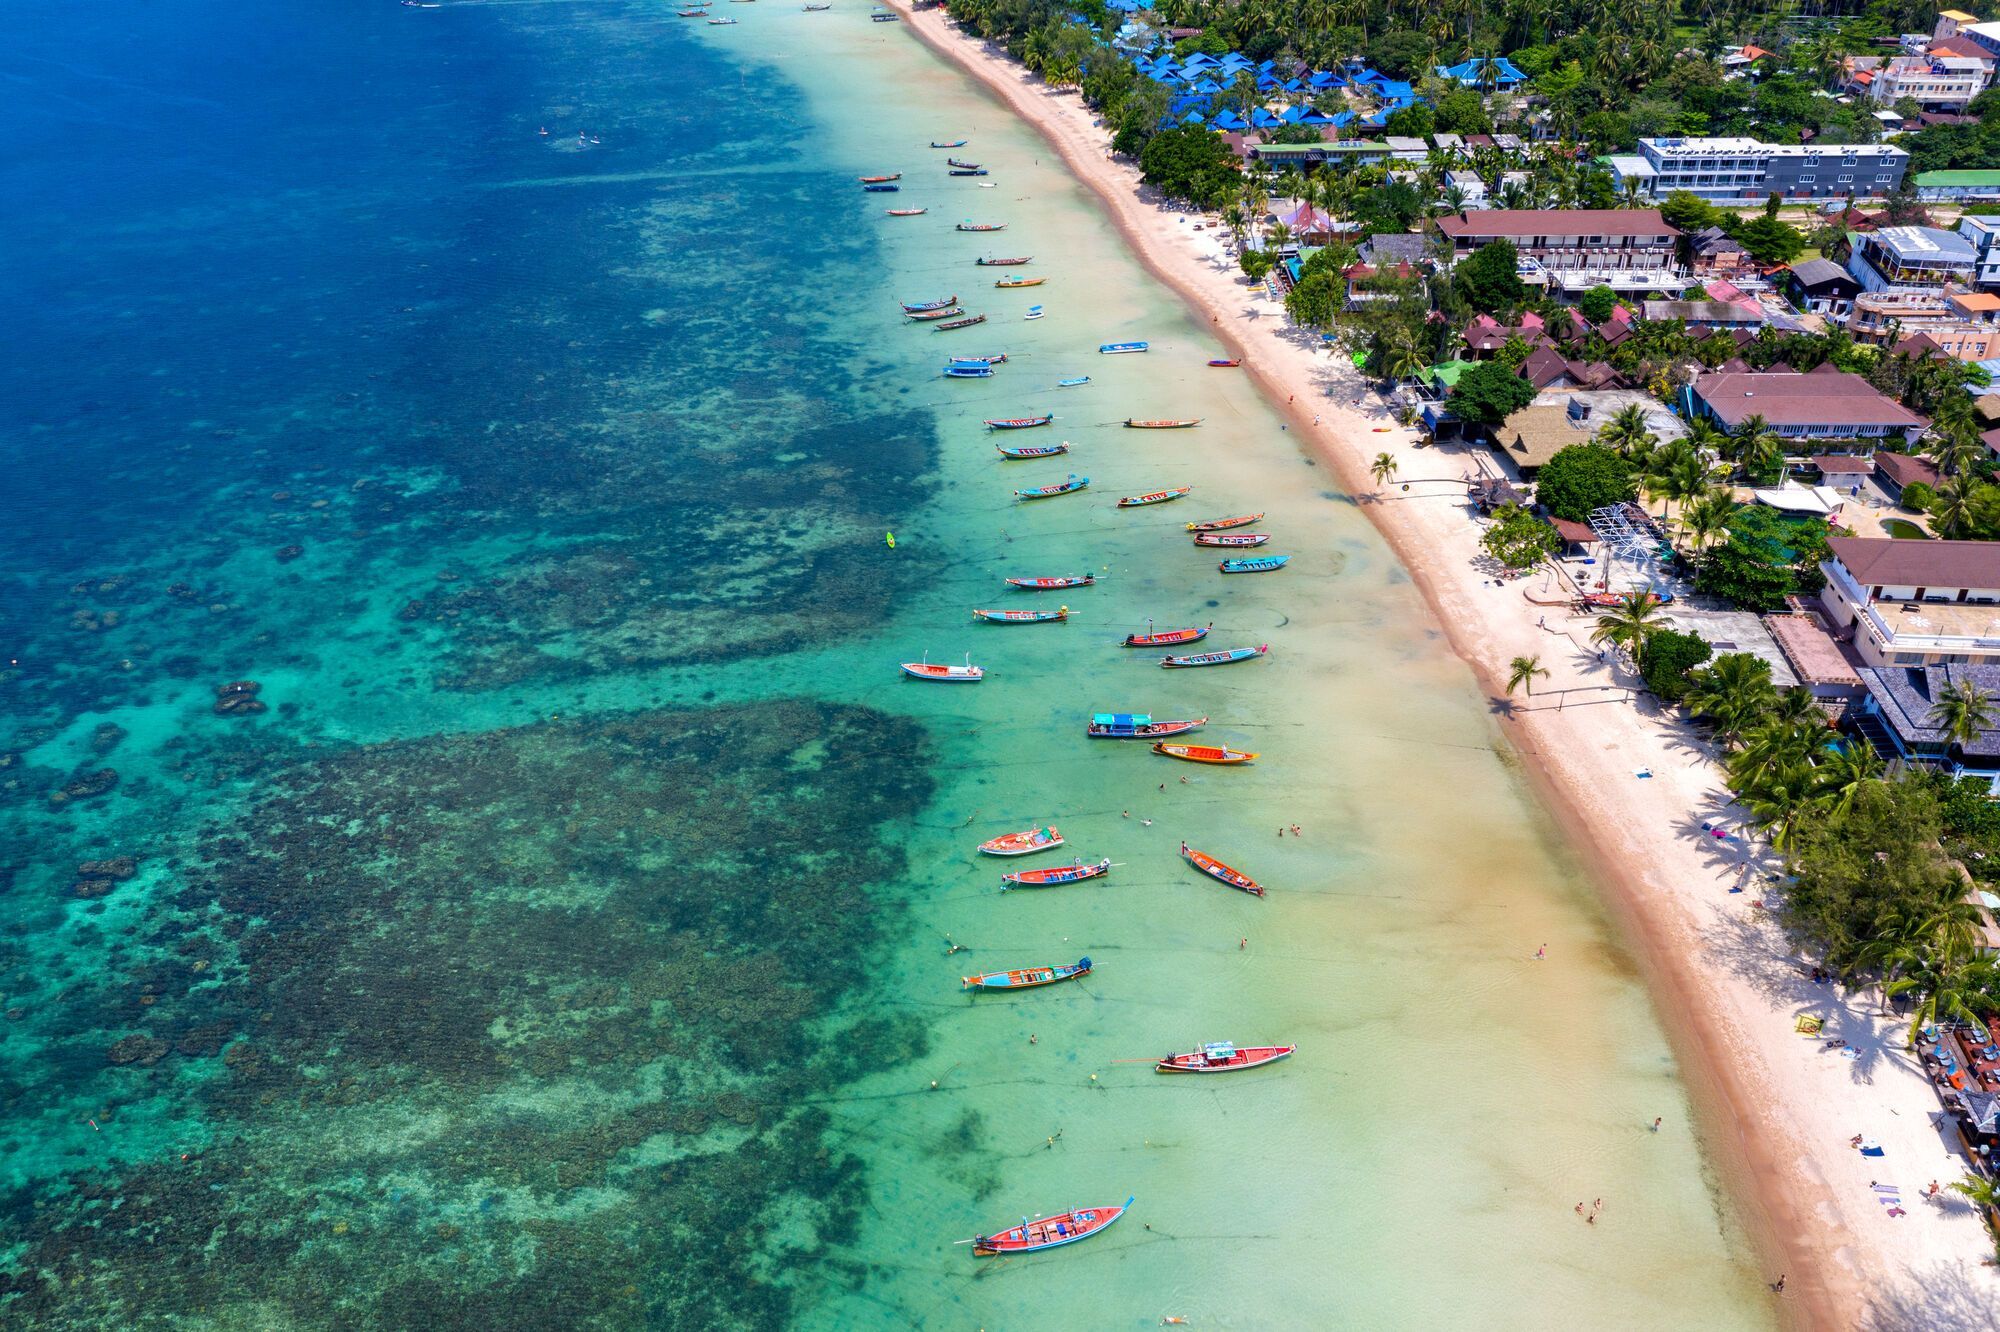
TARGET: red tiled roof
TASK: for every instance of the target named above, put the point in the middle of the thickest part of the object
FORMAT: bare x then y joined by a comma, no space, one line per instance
1787,398
1887,562
1509,222
1845,464
1905,470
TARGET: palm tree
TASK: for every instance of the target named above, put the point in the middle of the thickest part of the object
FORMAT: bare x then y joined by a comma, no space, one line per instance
1948,990
1841,774
1953,510
1675,474
1626,625
1964,712
1706,517
1731,695
1755,446
1626,432
1984,1192
1382,468
1403,359
1522,673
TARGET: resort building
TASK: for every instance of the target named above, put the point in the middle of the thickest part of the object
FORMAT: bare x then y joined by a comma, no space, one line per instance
1739,169
1899,715
1964,325
1915,603
1935,83
1345,153
1821,287
1528,438
1626,249
1912,259
1825,404
1983,235
1958,186
1713,254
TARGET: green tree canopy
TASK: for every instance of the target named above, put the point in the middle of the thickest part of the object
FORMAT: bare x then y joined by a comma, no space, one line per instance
1189,162
1597,304
1665,658
1487,278
1583,477
1489,392
1316,300
1518,539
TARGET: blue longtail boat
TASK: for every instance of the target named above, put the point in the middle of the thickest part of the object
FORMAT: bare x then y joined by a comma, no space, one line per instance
968,372
918,307
1075,482
1254,564
1027,978
1118,348
1032,450
1222,658
1019,422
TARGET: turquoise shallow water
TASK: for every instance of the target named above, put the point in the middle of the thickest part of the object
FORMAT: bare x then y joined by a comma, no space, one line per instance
564,945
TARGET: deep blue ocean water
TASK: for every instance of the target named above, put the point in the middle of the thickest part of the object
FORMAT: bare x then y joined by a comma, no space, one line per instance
362,966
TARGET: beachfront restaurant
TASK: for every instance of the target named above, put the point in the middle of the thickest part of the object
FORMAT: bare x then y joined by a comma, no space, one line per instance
1899,718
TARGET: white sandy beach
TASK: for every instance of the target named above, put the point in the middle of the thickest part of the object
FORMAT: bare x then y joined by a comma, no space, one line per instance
1779,1108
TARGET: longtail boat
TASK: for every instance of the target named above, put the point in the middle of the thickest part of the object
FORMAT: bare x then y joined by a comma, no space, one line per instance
919,307
882,189
1166,423
691,13
926,316
1019,422
877,180
1154,497
954,162
955,143
967,171
1224,1057
881,16
1222,658
908,212
1051,584
1003,263
722,23
1022,843
1034,312
1048,1232
1122,348
1224,524
929,670
1138,726
816,9
1027,978
1021,616
998,358
1167,637
1204,753
982,226
1231,538
1032,450
962,323
1075,482
1220,872
1074,381
1045,878
1007,283
968,372
1254,564
1220,364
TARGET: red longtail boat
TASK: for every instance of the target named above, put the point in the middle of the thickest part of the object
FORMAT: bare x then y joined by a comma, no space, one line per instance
1230,538
1022,843
1050,584
1224,1057
1048,1232
1055,874
1220,872
1168,637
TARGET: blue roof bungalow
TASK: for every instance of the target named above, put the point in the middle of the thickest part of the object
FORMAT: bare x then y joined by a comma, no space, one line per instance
1497,73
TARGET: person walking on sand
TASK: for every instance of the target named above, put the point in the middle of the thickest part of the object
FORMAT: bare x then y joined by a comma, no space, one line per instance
1541,954
1779,1284
1656,1124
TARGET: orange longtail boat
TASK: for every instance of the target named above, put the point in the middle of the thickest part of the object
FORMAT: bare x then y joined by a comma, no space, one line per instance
1205,753
1220,872
1167,637
1224,524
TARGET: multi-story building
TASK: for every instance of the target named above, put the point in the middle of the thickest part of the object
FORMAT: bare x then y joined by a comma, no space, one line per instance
1739,169
1983,235
1912,259
1626,249
1915,603
1961,324
1933,82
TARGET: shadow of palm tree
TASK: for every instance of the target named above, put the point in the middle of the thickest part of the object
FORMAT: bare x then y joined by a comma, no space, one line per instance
1943,1299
